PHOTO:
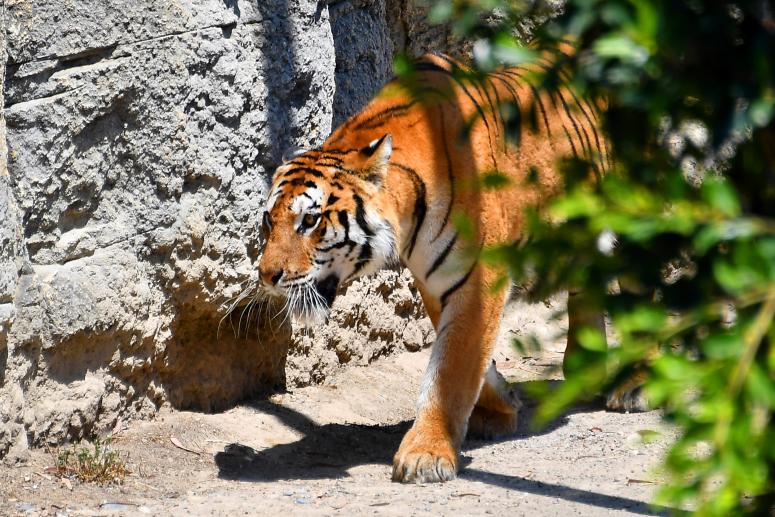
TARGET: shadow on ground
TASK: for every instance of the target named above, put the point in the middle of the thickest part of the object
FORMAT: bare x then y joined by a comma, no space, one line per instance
328,451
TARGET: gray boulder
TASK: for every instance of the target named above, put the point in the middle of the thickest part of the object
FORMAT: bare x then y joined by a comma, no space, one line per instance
137,142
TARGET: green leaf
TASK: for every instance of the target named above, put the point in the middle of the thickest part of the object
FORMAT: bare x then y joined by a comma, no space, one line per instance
761,111
649,435
641,318
494,180
761,387
592,339
725,345
720,195
441,12
619,46
716,232
509,51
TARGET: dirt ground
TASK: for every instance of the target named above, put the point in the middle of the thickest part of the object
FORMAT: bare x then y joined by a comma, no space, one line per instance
326,450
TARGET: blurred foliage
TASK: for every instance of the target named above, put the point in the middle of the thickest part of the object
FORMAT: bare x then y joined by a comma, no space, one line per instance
690,198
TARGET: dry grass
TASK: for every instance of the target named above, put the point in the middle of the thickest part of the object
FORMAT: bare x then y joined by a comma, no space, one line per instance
92,463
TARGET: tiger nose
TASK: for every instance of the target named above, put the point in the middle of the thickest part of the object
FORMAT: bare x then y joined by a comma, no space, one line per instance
271,276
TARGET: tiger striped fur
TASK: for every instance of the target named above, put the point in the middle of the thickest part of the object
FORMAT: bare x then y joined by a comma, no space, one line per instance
385,188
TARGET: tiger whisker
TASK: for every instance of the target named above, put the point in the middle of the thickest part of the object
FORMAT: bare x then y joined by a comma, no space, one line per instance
234,302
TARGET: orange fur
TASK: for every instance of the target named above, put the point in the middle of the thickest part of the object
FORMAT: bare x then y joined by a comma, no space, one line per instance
396,175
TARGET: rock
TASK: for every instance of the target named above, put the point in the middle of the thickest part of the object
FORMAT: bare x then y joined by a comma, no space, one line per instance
370,319
137,142
141,140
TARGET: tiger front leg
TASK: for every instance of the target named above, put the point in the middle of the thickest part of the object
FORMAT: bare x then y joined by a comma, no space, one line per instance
466,332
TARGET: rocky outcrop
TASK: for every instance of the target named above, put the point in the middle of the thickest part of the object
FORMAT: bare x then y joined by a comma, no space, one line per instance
141,137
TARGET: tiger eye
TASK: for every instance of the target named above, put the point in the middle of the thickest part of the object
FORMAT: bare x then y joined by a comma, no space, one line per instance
310,219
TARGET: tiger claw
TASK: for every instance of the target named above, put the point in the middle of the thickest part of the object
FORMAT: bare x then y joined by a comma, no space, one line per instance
421,459
424,467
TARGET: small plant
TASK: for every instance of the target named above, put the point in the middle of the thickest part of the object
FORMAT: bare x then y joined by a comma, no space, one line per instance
97,464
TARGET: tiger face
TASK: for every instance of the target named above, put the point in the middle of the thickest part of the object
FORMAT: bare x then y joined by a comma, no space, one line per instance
323,226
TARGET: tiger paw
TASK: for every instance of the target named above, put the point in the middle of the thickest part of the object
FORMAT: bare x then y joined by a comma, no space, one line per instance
420,460
487,424
497,410
629,400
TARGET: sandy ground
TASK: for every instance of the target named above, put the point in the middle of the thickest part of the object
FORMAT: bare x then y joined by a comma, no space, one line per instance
326,450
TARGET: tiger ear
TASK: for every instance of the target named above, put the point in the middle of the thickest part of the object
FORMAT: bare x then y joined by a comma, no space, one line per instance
376,158
292,153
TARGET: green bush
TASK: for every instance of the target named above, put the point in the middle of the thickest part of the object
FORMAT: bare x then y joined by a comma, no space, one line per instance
695,246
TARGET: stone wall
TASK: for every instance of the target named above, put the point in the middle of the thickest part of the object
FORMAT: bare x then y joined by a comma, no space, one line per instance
137,141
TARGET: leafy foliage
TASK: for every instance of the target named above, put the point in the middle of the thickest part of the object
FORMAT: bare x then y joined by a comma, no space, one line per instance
690,197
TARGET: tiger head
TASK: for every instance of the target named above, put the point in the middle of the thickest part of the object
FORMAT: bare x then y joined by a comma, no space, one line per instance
324,225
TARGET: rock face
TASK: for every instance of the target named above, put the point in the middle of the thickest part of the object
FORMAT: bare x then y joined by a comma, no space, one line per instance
137,142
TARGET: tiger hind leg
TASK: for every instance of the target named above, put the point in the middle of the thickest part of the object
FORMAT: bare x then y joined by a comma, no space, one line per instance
628,396
497,411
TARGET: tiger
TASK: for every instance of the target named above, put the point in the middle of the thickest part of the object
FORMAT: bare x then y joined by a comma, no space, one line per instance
387,188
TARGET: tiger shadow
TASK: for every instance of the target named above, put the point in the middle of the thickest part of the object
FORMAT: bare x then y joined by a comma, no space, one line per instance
328,451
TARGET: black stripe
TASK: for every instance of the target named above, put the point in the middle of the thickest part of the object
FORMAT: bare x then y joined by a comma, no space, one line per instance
512,92
570,141
378,119
585,138
593,128
450,175
442,256
298,181
442,330
541,107
515,96
473,100
536,96
565,129
457,286
298,163
334,159
341,244
363,257
552,68
345,223
420,204
494,114
332,199
498,113
341,216
485,88
306,170
345,170
427,66
327,162
360,216
338,152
